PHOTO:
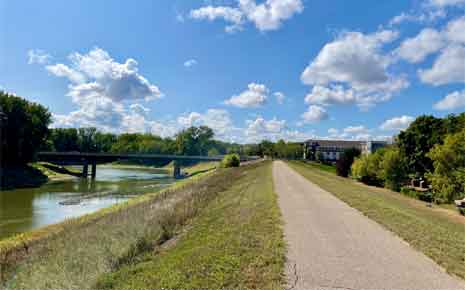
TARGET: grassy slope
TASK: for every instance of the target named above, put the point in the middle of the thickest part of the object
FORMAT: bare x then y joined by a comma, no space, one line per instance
71,254
437,233
235,243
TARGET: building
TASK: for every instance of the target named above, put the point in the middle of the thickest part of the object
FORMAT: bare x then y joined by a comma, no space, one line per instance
331,150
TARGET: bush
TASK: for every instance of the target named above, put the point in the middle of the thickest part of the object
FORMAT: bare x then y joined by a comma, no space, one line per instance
345,161
448,177
394,169
231,160
367,168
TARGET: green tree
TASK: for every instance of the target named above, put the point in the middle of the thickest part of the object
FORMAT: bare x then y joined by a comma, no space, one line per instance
24,131
345,161
420,137
194,141
394,169
368,168
448,177
64,139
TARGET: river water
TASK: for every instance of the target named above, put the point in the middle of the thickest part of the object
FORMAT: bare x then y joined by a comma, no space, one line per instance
23,210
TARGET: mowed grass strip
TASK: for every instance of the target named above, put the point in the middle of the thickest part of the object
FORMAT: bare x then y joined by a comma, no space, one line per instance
438,234
236,242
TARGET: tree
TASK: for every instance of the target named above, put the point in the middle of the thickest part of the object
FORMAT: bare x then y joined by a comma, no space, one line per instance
194,141
394,169
86,139
64,139
368,168
24,131
345,161
448,177
420,137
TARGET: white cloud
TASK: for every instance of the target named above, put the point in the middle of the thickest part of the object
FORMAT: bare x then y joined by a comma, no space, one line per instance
353,69
444,3
416,49
449,67
315,114
453,101
190,62
98,74
38,56
280,97
100,86
61,70
261,129
356,130
268,15
254,96
455,30
397,123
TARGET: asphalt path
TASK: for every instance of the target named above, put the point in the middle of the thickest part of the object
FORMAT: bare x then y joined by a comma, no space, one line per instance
333,246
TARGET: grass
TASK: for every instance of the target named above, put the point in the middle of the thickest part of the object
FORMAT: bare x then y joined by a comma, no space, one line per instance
72,254
236,242
437,232
325,167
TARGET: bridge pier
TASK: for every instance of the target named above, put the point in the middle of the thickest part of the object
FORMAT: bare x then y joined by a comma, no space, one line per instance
85,170
176,170
94,170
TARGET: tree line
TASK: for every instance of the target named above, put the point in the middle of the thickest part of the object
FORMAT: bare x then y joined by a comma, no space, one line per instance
25,131
431,150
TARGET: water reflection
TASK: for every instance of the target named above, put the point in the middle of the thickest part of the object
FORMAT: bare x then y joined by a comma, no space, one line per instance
25,209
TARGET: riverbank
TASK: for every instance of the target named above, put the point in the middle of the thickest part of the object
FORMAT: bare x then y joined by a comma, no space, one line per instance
75,254
235,243
435,231
92,241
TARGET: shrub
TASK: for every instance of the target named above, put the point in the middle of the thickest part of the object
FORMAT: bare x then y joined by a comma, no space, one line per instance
448,177
394,169
367,168
231,160
345,161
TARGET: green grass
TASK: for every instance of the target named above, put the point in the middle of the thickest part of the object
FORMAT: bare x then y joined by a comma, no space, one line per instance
72,254
321,166
236,242
437,232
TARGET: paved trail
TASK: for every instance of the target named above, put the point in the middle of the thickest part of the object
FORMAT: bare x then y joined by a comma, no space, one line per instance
333,246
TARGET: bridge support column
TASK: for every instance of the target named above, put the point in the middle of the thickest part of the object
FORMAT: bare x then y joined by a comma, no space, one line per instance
176,170
85,170
94,170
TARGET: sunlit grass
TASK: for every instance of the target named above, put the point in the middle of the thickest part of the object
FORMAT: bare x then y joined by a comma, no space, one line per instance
236,242
71,255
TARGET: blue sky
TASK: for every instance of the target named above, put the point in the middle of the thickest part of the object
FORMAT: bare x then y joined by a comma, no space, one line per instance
251,70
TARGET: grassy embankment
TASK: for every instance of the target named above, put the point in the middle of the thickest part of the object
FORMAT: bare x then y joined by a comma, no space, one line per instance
435,231
75,254
235,243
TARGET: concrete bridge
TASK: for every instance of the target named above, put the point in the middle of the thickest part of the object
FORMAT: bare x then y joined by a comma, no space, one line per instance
92,159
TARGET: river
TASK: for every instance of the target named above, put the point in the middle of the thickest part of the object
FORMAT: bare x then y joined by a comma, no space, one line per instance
23,210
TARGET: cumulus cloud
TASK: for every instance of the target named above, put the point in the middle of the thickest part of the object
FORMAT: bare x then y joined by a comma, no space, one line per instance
280,97
254,96
315,114
397,123
101,87
268,15
416,49
353,69
38,56
449,67
190,62
452,101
